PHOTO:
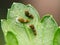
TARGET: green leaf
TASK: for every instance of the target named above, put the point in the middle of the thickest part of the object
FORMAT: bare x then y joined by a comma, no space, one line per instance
46,30
24,27
57,37
23,33
11,39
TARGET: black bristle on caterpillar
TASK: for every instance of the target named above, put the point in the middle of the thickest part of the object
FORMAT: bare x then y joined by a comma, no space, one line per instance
23,20
28,14
33,29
